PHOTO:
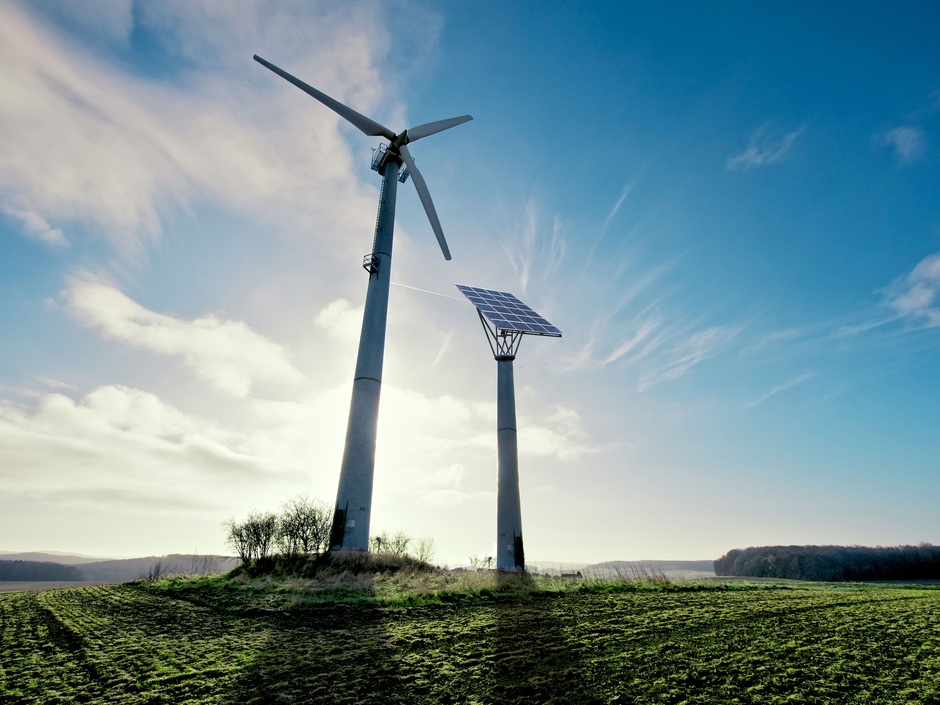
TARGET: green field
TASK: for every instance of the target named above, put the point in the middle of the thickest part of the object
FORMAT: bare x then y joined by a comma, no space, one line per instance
202,642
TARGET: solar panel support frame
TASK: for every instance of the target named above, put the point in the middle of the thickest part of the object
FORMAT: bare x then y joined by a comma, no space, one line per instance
503,343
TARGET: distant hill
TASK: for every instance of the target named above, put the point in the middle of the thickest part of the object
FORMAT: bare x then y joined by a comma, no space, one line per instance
128,569
48,557
15,568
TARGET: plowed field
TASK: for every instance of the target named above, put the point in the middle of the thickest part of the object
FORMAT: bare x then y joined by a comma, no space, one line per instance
133,644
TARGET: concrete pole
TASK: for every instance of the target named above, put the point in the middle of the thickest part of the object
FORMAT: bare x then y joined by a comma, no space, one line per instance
509,551
354,497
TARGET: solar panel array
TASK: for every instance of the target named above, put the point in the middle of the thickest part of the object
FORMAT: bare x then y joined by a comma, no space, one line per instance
506,312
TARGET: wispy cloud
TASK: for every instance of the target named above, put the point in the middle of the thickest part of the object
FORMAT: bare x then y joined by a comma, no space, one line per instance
627,188
54,383
642,333
906,142
697,348
37,227
111,21
227,355
916,294
445,346
583,357
535,246
789,384
85,141
763,150
773,339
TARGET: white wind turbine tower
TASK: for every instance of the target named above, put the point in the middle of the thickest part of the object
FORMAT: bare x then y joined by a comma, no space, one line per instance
506,319
354,496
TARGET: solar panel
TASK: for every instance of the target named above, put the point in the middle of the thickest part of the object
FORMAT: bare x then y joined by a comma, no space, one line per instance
506,312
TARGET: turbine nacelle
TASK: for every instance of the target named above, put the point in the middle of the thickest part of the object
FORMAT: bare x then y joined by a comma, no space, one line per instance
397,142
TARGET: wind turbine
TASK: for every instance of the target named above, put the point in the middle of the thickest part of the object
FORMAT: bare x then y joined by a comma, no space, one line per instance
506,319
354,496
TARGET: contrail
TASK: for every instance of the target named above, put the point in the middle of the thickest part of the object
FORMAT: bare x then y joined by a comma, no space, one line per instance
426,291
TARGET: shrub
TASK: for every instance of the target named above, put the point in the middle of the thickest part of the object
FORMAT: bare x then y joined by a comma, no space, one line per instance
303,527
253,539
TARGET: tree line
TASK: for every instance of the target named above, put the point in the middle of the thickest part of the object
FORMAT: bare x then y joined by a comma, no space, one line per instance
302,529
833,563
38,571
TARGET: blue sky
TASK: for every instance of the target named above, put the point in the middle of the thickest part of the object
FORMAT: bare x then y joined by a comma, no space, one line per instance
730,210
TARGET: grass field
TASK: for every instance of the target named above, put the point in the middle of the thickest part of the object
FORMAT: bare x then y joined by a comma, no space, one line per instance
214,641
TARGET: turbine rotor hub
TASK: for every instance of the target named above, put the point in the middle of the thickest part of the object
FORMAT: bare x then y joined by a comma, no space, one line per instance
396,144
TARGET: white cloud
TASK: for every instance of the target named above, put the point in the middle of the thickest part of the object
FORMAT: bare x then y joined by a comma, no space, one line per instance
342,321
438,486
107,20
763,150
35,226
125,449
916,295
228,355
424,443
119,439
86,141
561,434
907,143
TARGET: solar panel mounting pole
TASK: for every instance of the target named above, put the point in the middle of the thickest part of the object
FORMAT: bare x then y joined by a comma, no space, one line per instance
510,554
506,319
510,551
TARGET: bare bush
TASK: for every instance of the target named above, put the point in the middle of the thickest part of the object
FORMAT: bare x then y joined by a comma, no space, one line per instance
200,565
237,539
425,549
254,538
303,527
481,562
262,528
401,544
396,544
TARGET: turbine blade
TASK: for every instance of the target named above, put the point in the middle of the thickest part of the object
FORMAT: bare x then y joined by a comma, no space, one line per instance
431,128
368,126
418,180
